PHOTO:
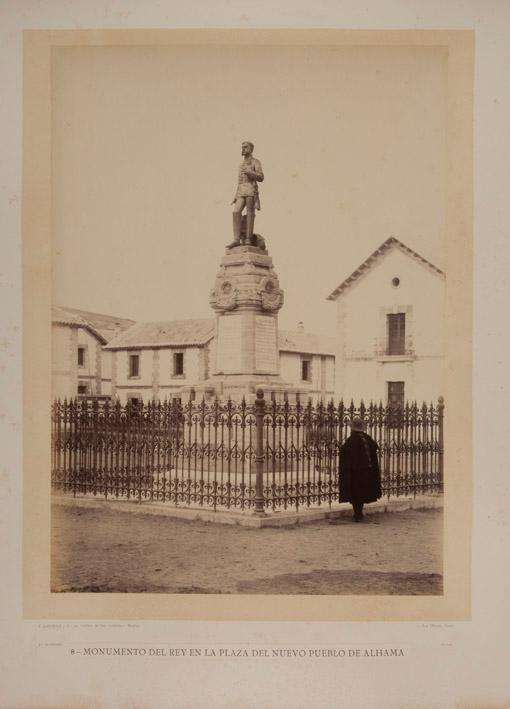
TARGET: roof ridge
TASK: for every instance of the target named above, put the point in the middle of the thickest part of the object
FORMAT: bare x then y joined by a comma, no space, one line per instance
374,256
93,313
165,333
180,320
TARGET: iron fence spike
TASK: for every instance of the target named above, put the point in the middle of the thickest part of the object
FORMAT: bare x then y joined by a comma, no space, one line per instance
205,450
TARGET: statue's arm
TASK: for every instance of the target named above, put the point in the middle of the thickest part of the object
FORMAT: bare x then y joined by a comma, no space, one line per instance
256,173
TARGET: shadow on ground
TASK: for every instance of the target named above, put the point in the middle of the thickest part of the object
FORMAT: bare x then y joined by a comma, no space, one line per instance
110,551
317,582
347,582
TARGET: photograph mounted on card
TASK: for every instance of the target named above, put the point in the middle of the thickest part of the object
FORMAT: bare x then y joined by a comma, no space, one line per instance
247,314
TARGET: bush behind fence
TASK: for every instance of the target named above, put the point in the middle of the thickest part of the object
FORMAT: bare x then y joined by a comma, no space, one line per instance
265,455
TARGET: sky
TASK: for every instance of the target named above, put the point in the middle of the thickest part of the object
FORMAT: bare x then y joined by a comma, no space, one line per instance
145,151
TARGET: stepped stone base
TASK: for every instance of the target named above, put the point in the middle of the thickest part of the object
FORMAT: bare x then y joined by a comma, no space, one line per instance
284,518
239,386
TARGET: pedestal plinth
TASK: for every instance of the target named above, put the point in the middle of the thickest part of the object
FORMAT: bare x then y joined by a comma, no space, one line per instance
246,298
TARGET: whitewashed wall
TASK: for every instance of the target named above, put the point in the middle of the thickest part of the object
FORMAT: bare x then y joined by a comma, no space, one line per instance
66,374
157,379
192,370
90,372
63,367
106,372
140,386
322,373
362,371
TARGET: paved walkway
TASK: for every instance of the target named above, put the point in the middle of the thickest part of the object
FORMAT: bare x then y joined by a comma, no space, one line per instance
113,551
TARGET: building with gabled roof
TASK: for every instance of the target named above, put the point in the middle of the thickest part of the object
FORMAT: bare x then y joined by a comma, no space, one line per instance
303,342
390,328
163,359
97,355
80,364
106,326
389,343
308,361
376,256
165,333
171,358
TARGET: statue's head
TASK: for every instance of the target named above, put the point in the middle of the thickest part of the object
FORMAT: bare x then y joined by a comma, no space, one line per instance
247,148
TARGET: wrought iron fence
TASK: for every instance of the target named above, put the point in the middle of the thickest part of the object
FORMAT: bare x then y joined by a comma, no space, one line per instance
266,455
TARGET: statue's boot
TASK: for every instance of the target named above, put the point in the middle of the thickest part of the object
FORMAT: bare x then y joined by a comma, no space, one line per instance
243,230
236,219
250,223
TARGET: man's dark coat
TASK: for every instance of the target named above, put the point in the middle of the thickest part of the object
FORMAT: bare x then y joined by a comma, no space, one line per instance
360,477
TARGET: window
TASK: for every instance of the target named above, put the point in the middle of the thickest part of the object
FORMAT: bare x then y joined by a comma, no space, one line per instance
134,365
134,405
178,364
306,370
396,333
83,389
81,356
396,395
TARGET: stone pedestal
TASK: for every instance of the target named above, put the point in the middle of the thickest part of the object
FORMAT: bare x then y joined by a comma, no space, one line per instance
246,298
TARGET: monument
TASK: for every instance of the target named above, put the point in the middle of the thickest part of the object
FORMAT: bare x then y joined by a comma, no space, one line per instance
246,196
246,298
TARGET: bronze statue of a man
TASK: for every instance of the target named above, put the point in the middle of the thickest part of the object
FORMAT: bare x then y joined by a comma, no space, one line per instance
247,194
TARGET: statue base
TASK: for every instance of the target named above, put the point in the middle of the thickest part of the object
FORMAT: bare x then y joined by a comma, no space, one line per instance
244,355
240,386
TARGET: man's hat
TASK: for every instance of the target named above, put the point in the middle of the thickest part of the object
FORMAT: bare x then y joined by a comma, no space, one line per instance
357,424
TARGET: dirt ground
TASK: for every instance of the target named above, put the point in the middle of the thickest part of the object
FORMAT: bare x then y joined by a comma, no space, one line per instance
114,551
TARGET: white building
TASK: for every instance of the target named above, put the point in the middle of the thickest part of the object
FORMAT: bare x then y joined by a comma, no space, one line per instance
168,359
390,328
159,360
389,344
80,365
308,361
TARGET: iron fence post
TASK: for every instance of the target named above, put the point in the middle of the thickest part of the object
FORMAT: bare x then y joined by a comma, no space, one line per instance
260,406
119,451
440,418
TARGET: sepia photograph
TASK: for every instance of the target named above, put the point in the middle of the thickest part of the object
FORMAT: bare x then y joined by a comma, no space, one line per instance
252,356
248,319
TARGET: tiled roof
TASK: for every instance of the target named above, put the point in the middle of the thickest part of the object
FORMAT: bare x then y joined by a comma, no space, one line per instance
386,246
64,316
106,325
305,342
177,333
180,333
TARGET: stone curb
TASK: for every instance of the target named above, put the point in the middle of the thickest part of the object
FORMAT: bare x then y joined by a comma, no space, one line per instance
249,519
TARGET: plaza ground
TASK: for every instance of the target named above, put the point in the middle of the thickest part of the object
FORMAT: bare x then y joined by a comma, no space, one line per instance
105,550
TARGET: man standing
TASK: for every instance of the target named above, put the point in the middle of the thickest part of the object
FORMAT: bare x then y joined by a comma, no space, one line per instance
247,194
360,477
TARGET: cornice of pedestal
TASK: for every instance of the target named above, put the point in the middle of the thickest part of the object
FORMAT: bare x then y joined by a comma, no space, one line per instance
246,280
240,255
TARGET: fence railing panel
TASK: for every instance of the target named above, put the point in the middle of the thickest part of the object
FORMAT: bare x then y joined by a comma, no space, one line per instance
267,455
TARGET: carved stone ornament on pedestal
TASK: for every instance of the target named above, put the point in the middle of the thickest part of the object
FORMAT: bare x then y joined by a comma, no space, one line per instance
271,296
224,297
246,280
